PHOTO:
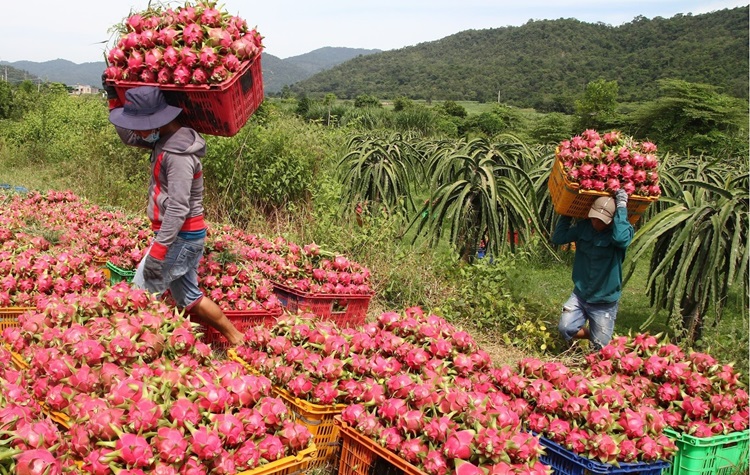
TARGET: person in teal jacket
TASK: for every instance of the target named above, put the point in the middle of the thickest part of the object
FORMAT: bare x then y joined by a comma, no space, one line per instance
601,242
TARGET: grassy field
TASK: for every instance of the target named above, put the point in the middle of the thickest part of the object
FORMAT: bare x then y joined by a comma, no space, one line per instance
544,286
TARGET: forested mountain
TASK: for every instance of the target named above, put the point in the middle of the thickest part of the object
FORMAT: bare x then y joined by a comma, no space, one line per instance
326,58
62,71
277,72
14,75
546,63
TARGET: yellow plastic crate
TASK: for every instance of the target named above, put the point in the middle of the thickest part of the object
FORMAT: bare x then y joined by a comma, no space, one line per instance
284,466
360,454
569,200
9,316
318,418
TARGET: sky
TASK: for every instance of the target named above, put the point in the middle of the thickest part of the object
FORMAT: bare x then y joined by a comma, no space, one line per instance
80,30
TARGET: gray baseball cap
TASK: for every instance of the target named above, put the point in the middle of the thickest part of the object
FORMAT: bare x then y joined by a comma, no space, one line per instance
603,208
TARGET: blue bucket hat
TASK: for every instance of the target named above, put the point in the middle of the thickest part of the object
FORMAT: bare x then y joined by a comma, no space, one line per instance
145,109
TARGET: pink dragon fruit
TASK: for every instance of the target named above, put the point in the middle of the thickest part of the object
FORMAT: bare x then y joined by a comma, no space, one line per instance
352,413
295,435
230,429
435,463
271,448
413,450
37,462
134,450
170,445
490,443
459,445
603,447
247,456
391,438
632,423
205,443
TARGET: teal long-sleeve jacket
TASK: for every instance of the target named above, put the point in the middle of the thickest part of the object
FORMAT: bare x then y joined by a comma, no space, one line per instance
597,268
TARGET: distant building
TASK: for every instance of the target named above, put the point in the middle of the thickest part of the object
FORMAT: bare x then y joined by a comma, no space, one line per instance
79,89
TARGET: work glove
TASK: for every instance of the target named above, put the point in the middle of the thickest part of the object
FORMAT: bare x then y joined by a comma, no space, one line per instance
621,198
113,100
152,268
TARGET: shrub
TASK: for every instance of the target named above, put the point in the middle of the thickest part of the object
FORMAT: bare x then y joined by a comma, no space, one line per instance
483,297
268,164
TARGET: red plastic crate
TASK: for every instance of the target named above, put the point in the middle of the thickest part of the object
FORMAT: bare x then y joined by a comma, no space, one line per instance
215,109
242,320
346,310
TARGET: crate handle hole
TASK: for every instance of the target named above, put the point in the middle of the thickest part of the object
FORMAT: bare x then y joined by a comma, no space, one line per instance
339,306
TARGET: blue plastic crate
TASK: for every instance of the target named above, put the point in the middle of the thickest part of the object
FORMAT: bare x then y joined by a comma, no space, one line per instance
17,189
565,462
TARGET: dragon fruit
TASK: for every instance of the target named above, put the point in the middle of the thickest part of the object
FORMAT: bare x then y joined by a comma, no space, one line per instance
459,445
171,445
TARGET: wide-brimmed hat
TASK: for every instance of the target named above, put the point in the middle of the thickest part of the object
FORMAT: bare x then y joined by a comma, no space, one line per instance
145,109
603,208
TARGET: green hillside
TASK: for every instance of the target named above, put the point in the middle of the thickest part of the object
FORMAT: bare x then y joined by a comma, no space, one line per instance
15,75
544,64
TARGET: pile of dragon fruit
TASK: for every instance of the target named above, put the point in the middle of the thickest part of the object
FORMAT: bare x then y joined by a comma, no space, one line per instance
413,382
56,243
610,162
236,285
307,269
425,390
196,43
135,391
100,378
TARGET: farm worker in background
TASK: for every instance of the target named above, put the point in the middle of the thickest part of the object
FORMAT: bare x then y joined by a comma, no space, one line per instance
601,242
175,202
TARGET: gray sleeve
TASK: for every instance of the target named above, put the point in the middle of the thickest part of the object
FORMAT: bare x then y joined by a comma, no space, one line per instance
129,137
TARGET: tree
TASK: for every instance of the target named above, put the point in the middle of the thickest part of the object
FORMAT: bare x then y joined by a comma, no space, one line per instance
699,245
6,100
454,109
552,128
401,102
598,105
366,100
486,123
303,105
689,117
328,101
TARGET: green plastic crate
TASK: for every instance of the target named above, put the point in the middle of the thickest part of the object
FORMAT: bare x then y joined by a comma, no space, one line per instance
117,274
718,455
